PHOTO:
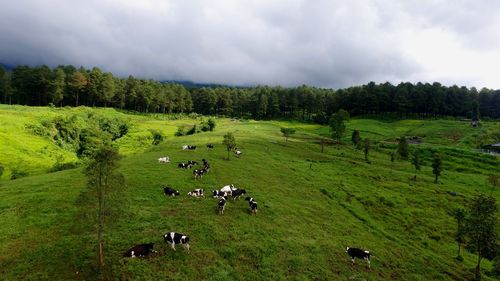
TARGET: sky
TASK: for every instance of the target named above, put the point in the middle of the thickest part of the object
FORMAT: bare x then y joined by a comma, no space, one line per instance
323,43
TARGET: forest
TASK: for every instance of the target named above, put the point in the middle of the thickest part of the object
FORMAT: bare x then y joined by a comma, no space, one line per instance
71,86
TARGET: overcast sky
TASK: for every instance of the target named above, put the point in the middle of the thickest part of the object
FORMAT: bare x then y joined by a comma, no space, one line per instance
325,43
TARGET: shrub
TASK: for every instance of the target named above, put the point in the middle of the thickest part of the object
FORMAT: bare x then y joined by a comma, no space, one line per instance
157,136
211,124
180,132
192,131
16,174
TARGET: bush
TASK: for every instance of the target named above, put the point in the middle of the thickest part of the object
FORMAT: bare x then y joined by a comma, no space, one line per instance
180,132
157,136
16,174
211,124
192,131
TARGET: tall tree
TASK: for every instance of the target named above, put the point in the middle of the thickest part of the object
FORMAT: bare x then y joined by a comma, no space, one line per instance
417,162
337,124
480,225
366,149
436,166
58,86
229,142
355,138
403,150
459,215
103,179
79,82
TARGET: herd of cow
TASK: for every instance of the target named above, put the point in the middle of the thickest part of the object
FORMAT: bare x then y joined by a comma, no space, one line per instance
228,191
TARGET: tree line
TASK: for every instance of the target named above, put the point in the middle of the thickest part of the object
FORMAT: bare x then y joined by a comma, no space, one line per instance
67,85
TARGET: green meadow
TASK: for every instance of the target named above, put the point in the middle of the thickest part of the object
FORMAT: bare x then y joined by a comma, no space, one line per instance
312,204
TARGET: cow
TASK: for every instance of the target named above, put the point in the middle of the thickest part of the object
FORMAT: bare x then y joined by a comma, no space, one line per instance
237,152
164,160
140,250
206,166
210,146
359,253
170,191
188,147
174,238
228,188
252,204
196,193
238,193
184,165
222,205
219,194
192,163
198,173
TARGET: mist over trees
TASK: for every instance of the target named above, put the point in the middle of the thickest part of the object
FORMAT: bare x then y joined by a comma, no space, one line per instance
67,85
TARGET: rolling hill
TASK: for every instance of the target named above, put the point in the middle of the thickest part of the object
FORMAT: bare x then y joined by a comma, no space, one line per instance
311,205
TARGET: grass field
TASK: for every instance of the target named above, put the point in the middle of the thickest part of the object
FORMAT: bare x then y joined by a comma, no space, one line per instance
311,205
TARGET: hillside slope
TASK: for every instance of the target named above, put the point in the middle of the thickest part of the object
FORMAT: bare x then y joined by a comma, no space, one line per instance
312,205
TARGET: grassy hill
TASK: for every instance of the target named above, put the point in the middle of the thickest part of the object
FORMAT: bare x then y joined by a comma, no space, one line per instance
312,205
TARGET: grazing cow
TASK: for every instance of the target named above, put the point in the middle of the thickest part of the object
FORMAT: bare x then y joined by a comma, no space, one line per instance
210,146
238,193
170,191
253,204
164,160
185,166
140,250
228,188
174,238
196,193
237,152
222,205
198,173
188,147
192,163
185,147
219,194
359,253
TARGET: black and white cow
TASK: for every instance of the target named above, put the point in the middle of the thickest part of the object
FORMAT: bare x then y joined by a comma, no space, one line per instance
222,205
196,193
188,147
184,165
170,191
237,193
252,204
358,253
206,166
192,162
210,146
219,194
174,238
199,173
237,152
140,250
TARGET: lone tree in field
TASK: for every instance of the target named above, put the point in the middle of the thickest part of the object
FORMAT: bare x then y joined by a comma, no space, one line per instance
337,123
355,138
287,132
367,146
459,215
229,142
436,166
211,124
403,148
480,227
417,162
103,180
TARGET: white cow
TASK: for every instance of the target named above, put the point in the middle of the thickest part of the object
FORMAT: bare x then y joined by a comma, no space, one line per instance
228,188
165,159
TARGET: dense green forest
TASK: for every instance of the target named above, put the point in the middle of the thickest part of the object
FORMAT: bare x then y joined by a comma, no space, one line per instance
67,85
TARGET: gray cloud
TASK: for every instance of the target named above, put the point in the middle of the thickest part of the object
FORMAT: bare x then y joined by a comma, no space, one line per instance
322,43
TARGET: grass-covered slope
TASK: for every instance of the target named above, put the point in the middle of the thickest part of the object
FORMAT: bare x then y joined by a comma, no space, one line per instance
312,205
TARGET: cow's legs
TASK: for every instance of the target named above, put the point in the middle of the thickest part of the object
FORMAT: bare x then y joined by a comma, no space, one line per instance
173,246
